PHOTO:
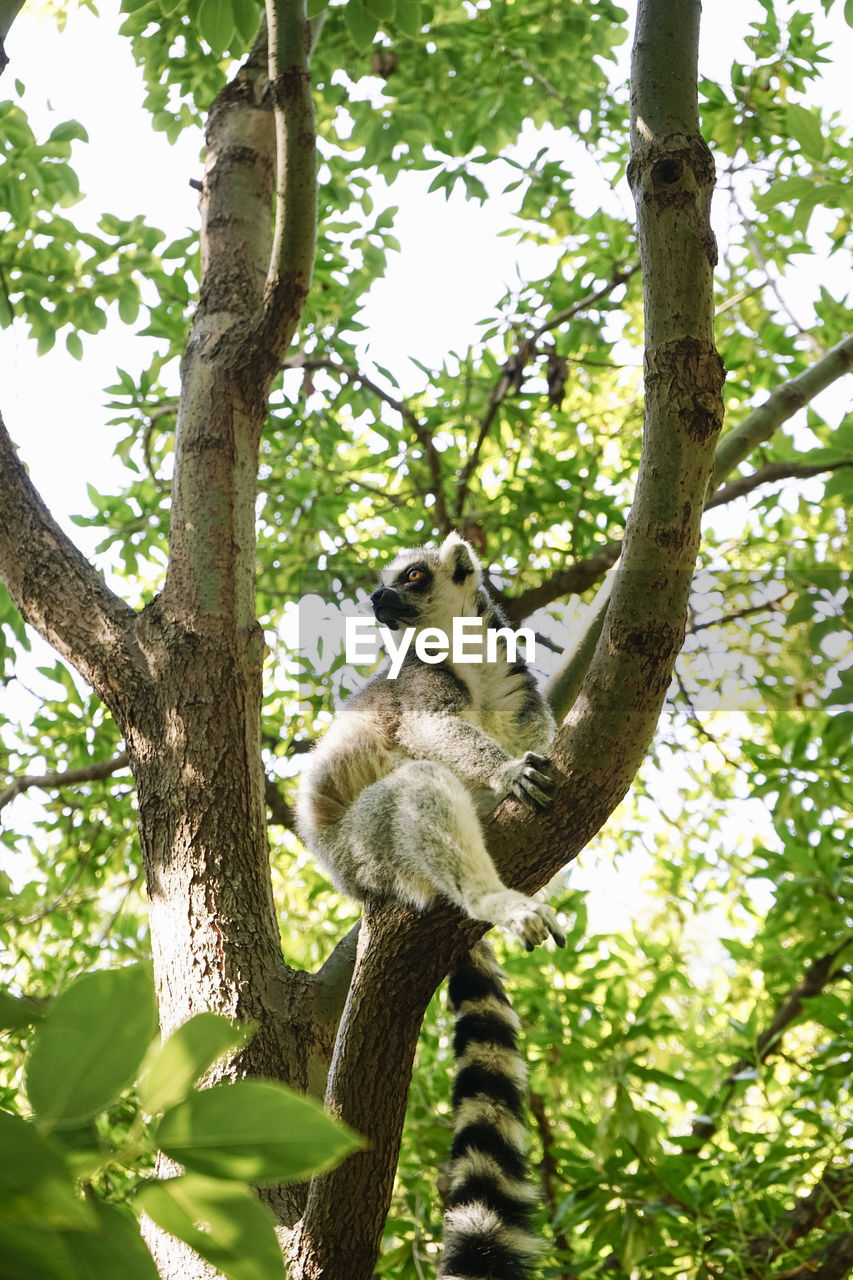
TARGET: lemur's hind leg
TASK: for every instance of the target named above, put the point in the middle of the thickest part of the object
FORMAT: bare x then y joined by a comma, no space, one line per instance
415,835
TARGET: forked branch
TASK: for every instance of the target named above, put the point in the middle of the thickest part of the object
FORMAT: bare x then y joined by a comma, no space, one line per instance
773,473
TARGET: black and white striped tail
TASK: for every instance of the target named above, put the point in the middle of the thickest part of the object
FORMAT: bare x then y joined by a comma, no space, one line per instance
487,1222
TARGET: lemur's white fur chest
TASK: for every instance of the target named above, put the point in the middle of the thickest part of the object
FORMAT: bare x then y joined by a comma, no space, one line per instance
498,696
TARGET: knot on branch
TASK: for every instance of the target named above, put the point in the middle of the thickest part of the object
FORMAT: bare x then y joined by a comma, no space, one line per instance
667,171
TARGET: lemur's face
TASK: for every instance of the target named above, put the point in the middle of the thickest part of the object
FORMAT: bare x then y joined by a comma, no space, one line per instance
423,587
404,594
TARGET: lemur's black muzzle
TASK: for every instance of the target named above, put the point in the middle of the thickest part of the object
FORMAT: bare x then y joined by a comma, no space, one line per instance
390,608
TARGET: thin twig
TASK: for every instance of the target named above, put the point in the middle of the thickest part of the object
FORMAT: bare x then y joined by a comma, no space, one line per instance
767,606
693,718
816,977
280,811
548,1168
418,426
513,371
764,267
63,778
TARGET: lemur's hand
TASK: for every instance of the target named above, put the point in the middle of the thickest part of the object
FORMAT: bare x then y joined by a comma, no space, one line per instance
527,782
528,919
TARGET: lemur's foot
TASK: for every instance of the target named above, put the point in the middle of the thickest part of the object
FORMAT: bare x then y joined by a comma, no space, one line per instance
529,920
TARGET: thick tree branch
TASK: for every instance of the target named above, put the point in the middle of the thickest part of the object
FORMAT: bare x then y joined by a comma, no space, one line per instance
210,580
566,682
608,730
291,39
402,955
58,592
815,979
574,580
63,778
782,403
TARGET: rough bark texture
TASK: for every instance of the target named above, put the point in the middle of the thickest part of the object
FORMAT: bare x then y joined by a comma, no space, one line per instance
183,677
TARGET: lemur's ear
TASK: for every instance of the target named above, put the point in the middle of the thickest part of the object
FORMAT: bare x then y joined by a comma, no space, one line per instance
459,558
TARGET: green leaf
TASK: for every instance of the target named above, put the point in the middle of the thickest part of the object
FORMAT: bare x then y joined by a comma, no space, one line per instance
95,1252
35,1183
838,734
217,23
253,1130
19,1011
74,344
172,1069
34,1252
69,131
314,8
238,1237
848,12
247,16
408,17
382,10
128,305
829,1011
361,23
684,1088
805,127
90,1044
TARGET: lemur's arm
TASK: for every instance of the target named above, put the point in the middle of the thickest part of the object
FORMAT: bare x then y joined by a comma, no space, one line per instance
475,758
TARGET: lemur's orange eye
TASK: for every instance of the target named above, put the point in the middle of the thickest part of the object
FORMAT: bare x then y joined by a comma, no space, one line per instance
414,575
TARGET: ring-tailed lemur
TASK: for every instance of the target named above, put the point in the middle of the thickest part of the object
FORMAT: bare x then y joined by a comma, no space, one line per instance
391,801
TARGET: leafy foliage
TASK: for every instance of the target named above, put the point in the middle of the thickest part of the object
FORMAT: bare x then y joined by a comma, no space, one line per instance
89,1045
